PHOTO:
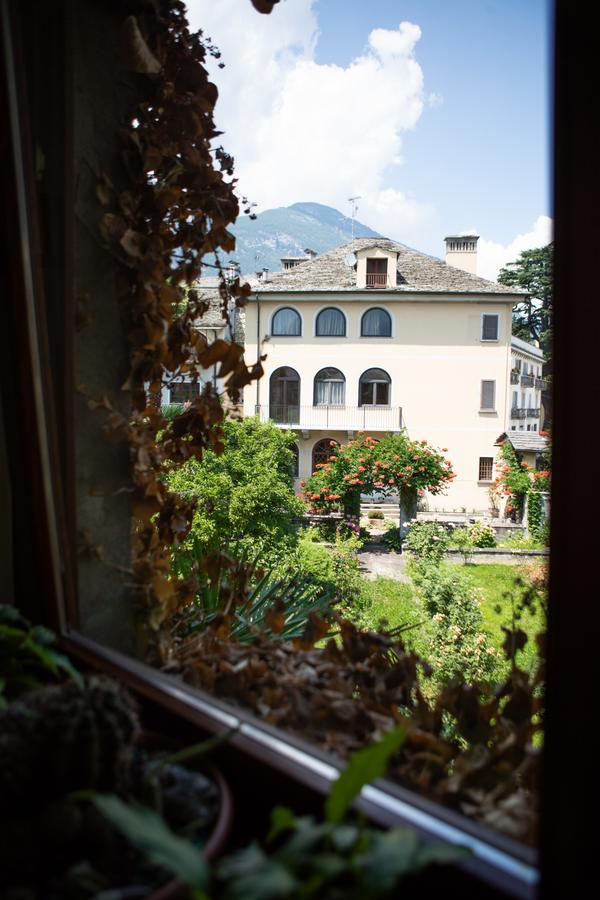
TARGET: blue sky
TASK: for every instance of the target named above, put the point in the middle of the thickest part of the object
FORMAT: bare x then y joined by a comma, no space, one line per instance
483,153
436,113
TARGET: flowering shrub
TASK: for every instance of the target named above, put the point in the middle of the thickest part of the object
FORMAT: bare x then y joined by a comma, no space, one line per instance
364,465
459,646
541,480
392,538
483,535
426,541
514,479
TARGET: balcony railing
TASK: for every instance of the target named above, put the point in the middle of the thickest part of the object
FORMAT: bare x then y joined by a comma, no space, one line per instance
514,377
540,384
527,380
376,279
533,413
518,412
334,418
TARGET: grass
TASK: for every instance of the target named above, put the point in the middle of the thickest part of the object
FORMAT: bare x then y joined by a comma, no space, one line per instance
394,602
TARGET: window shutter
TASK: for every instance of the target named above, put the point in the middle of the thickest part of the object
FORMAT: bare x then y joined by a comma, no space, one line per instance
489,327
486,468
488,394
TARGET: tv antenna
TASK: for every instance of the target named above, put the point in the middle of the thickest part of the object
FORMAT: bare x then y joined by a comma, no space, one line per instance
354,206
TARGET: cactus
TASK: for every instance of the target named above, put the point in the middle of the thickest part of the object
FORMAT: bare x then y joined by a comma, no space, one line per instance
67,737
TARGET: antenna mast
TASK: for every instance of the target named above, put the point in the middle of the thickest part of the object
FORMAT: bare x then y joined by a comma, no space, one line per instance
354,206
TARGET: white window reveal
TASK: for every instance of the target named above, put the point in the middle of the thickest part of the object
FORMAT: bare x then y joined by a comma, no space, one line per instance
490,326
488,396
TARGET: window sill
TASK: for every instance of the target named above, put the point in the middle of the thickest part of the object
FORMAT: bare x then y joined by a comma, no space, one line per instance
497,860
488,412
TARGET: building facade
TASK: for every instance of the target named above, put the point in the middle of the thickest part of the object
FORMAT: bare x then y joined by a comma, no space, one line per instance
375,337
526,386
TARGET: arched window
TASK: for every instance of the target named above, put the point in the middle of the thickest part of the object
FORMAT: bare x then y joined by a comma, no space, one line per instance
374,388
376,323
284,396
331,323
296,461
286,322
330,388
322,450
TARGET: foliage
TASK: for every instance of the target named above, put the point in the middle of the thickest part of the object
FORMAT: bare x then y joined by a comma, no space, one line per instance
462,540
459,645
518,540
253,600
393,464
532,317
513,479
427,541
535,515
245,502
392,538
28,655
375,514
483,535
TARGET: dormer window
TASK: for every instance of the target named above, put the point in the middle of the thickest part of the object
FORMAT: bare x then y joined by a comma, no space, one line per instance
376,273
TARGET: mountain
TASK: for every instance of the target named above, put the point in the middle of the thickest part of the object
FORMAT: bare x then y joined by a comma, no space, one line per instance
288,231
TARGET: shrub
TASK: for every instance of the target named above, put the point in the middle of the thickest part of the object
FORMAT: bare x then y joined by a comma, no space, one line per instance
483,535
426,540
392,539
459,646
462,540
375,514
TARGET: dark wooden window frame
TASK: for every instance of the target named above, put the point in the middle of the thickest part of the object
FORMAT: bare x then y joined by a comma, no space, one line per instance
38,449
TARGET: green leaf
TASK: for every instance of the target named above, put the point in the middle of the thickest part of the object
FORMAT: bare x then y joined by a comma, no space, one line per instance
363,767
149,833
282,819
251,875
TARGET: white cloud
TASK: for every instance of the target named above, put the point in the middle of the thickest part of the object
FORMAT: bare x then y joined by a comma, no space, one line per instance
491,256
300,130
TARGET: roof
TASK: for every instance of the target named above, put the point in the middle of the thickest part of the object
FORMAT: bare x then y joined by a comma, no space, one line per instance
416,272
525,347
531,441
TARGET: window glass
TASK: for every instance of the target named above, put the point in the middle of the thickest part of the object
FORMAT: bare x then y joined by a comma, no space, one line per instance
488,395
286,322
330,388
489,327
331,323
322,452
374,388
376,323
284,395
184,391
486,467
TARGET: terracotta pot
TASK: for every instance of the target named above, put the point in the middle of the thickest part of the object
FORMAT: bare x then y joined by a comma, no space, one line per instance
222,828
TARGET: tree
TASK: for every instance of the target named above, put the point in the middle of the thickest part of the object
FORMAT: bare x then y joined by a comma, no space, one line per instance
390,465
532,318
245,498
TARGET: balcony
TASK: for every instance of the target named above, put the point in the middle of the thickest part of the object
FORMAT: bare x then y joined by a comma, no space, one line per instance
518,412
541,384
334,418
376,279
533,413
514,377
527,380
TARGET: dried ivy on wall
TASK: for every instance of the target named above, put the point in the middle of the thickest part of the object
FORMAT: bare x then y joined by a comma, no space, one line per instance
175,210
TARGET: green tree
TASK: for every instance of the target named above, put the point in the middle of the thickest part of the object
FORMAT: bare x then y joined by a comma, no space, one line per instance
245,499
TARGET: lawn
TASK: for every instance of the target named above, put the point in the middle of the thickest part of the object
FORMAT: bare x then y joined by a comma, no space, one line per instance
395,602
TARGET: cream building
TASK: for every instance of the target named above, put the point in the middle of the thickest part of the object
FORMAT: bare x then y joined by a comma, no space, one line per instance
376,337
526,386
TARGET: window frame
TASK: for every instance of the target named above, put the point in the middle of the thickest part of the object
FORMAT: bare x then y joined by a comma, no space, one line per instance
376,336
566,842
283,334
375,382
335,336
487,409
483,339
341,380
483,467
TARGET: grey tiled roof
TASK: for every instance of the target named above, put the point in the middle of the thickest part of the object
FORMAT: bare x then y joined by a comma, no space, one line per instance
416,272
518,344
524,440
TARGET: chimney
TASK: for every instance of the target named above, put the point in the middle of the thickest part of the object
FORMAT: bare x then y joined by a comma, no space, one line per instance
461,251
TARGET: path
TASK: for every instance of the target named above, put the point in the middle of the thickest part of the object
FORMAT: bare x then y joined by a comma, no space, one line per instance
377,561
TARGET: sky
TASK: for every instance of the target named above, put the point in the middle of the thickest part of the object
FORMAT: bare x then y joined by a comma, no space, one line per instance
436,114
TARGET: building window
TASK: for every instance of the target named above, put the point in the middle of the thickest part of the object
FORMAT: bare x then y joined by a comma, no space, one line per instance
376,323
488,396
486,468
284,396
374,388
296,460
489,326
286,322
535,426
376,273
330,323
330,388
184,391
322,451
